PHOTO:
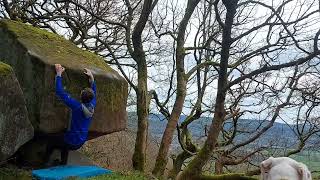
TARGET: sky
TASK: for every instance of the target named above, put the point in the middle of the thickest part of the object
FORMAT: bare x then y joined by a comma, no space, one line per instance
290,12
160,72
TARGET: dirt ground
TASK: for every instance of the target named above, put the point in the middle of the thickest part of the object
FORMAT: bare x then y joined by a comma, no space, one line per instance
114,151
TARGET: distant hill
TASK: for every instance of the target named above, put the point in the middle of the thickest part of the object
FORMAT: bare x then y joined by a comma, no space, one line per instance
278,136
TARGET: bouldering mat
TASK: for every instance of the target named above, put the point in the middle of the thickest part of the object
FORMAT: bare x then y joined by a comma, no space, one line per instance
64,172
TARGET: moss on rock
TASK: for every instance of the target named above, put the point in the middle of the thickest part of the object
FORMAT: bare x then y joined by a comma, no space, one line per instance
53,48
230,176
5,69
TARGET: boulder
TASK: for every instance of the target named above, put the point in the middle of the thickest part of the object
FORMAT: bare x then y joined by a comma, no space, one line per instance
32,53
15,127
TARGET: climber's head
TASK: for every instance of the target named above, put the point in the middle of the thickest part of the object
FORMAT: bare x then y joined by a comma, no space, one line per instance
87,95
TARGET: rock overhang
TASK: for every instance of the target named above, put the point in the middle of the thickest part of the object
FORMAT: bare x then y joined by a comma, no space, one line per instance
52,48
43,49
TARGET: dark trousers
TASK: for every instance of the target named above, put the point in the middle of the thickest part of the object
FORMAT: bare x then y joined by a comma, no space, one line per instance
56,141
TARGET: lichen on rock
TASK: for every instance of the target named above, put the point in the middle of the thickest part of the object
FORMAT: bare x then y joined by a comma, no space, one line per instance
15,127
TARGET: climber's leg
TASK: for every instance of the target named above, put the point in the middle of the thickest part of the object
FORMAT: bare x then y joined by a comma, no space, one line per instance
55,141
64,155
49,150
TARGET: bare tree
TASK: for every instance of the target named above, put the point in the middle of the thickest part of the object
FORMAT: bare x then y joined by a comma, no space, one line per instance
287,36
166,141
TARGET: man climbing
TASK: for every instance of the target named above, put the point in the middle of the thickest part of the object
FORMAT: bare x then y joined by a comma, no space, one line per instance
81,117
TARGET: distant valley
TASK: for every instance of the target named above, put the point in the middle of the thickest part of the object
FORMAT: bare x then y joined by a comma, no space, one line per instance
279,135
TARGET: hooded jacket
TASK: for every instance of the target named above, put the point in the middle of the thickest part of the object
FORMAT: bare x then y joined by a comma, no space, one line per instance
81,114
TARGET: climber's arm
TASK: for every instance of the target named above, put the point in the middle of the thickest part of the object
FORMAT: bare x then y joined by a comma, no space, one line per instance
93,85
60,92
94,100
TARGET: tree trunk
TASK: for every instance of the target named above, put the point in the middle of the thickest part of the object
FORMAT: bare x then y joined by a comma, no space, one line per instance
178,162
166,141
218,167
167,137
139,155
193,170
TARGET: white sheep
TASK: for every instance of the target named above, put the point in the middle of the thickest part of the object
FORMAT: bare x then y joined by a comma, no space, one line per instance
282,168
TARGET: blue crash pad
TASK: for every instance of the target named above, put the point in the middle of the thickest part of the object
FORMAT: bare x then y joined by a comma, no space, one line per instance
63,172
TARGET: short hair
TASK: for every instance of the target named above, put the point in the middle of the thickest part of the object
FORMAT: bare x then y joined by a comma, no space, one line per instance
87,95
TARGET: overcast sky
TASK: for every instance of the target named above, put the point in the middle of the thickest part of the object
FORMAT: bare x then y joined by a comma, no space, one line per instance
291,11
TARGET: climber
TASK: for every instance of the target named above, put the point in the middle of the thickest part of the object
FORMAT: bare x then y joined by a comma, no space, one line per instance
81,117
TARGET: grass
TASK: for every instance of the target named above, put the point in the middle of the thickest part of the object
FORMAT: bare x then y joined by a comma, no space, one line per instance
119,176
13,174
311,159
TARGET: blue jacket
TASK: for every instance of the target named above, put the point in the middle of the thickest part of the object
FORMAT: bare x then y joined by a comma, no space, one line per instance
79,127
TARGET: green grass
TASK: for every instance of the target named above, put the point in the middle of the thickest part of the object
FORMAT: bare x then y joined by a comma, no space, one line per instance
311,159
13,174
119,176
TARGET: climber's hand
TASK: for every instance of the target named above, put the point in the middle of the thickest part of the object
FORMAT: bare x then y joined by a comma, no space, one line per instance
89,74
59,69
